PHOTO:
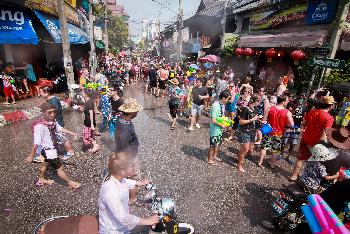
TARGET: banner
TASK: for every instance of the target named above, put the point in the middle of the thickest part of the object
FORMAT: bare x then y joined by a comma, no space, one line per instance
275,18
321,11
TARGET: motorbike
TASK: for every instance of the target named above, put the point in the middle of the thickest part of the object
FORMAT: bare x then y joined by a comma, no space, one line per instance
287,208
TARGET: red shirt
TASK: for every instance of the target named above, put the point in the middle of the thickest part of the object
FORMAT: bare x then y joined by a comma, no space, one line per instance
317,121
278,120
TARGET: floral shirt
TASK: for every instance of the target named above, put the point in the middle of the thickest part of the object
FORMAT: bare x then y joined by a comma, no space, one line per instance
313,174
105,105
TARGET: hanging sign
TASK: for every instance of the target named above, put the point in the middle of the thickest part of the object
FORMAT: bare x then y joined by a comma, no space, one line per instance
328,63
321,11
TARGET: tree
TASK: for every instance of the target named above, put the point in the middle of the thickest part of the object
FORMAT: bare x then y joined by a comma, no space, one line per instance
118,33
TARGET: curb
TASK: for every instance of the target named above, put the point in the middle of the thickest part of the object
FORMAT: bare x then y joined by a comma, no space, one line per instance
16,116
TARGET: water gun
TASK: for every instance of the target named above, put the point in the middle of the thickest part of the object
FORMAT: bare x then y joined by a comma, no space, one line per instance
321,218
12,81
226,121
91,85
344,174
104,89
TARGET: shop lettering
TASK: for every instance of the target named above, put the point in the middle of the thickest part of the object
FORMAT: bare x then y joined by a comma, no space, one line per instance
17,16
318,16
6,27
321,12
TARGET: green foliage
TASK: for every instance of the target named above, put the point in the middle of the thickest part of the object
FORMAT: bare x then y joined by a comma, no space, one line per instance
118,33
230,46
338,76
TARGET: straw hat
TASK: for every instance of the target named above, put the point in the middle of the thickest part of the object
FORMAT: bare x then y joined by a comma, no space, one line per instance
174,81
130,106
329,100
339,137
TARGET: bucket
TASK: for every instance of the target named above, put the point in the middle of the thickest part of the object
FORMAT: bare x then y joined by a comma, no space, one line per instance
266,129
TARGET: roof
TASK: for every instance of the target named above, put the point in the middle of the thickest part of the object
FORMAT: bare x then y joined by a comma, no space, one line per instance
212,8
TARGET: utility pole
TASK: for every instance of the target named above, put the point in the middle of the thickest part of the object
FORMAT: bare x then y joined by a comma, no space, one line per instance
67,58
223,23
179,35
106,29
92,58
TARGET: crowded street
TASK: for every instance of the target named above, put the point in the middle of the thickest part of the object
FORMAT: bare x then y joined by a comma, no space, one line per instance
212,199
174,117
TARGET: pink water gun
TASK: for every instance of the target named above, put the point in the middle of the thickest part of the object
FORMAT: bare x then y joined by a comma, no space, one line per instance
321,218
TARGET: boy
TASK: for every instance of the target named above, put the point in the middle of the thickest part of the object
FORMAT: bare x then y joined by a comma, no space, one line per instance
114,216
216,129
46,93
8,82
89,141
48,134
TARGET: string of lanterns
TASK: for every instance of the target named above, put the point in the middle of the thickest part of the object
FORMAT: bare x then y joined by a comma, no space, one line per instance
296,55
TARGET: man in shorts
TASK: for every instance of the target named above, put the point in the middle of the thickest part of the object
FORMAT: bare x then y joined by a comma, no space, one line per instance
279,118
216,128
153,76
199,94
48,134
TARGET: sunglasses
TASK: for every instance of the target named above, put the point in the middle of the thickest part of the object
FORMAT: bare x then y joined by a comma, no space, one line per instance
247,92
261,90
52,112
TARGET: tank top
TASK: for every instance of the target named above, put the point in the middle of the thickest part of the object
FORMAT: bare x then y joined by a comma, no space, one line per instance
278,120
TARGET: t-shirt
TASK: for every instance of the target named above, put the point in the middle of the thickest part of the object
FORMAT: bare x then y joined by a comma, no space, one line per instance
317,120
245,114
115,104
125,137
217,110
152,75
196,92
6,80
221,86
43,137
313,174
59,116
89,105
278,120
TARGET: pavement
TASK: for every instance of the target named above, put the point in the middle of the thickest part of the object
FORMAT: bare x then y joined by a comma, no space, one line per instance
214,199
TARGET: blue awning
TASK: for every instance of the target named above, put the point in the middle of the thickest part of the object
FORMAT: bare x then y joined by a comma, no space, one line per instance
16,27
76,34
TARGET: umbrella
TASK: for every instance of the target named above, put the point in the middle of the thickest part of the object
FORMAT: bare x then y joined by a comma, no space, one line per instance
213,58
195,66
203,59
208,65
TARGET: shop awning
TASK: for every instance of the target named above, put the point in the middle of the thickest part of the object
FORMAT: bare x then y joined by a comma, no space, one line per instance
76,34
16,27
312,39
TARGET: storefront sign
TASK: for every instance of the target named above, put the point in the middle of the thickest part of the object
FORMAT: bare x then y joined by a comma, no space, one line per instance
16,27
322,51
329,63
321,11
50,6
274,18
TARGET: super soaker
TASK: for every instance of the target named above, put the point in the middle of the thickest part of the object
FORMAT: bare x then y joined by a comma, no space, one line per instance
91,85
227,122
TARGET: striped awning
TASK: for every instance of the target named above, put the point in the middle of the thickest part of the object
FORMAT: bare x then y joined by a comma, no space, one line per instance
311,39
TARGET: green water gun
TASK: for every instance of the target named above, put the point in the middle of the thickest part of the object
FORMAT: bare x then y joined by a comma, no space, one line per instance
91,85
227,122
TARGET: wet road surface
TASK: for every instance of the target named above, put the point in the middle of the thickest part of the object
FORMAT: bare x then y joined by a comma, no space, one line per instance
214,199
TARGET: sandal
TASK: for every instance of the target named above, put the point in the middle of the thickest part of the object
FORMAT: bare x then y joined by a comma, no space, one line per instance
212,163
94,151
74,185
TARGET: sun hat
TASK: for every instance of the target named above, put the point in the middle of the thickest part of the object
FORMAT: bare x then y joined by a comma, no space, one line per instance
329,100
339,137
130,106
174,81
321,153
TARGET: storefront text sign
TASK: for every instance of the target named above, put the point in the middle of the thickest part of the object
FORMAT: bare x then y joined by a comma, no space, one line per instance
328,63
321,11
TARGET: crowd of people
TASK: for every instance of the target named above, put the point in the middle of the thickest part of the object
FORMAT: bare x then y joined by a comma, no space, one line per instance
275,121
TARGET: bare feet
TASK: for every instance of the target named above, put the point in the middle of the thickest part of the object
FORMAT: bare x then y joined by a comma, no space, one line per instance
212,162
43,182
218,159
241,169
74,185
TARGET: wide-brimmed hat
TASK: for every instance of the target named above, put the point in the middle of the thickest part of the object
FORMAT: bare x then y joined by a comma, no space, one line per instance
174,81
321,153
329,100
130,106
339,137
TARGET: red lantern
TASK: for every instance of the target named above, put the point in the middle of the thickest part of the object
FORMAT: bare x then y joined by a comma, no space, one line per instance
239,52
249,52
270,54
297,56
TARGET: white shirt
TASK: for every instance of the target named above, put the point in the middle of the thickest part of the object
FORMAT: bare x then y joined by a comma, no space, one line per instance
42,137
113,202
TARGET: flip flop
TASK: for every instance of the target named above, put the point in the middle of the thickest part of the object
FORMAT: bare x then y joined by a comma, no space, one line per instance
212,163
75,185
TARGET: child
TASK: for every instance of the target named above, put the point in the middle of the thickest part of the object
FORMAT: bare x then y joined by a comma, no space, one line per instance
89,142
315,172
8,83
105,106
291,136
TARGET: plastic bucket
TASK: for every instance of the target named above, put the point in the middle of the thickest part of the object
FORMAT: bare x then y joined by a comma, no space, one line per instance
266,129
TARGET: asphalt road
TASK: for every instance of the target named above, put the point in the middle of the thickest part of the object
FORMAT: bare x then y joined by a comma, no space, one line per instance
214,199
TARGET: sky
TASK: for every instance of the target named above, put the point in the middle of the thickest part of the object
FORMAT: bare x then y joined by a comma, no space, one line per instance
164,10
